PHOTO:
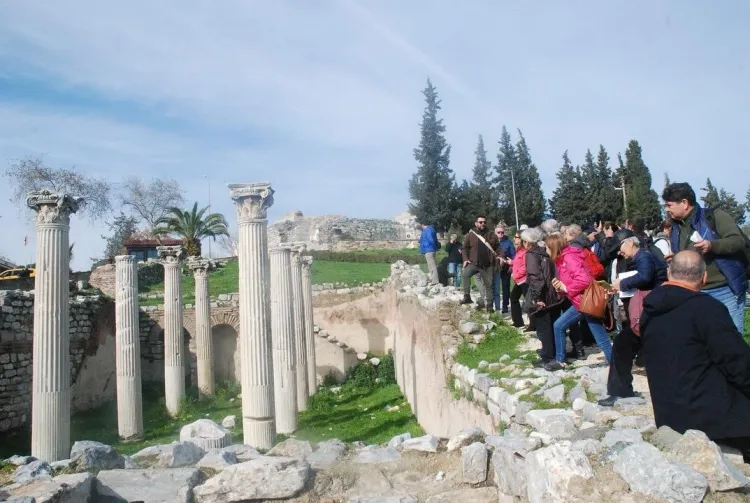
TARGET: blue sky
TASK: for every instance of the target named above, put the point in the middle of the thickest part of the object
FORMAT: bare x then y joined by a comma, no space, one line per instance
323,98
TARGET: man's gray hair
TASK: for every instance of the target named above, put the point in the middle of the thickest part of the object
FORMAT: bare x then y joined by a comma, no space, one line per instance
533,235
687,266
574,230
550,226
632,239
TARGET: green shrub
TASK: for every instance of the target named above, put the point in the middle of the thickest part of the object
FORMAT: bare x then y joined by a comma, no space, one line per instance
362,375
149,274
330,379
387,369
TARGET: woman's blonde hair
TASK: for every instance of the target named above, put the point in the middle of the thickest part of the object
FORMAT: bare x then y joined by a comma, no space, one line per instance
556,243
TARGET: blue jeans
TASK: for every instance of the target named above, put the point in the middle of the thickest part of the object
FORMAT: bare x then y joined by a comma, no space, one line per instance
501,279
735,304
572,316
455,268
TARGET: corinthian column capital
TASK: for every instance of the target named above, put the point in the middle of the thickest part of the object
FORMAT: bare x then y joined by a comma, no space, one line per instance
200,266
53,207
252,200
306,261
170,255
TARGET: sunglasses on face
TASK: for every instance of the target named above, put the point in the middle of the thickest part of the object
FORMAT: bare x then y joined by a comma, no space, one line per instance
481,222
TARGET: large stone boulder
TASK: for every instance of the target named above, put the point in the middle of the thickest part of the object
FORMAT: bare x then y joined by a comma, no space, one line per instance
376,455
243,452
550,470
646,470
216,460
327,453
149,486
509,463
260,479
426,443
31,471
90,456
206,434
557,423
465,437
697,451
291,448
174,455
73,488
474,460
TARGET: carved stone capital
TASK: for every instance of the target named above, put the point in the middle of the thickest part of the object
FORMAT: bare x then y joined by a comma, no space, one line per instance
170,255
200,266
252,200
125,259
53,207
306,261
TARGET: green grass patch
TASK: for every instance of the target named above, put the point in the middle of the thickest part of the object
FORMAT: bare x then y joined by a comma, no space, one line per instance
501,340
357,414
349,273
539,402
747,326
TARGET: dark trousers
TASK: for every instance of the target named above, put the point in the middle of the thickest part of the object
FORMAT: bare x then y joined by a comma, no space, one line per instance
544,320
501,279
515,303
485,274
742,444
624,347
586,336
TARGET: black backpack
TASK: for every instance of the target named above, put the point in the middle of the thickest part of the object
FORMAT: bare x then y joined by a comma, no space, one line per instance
655,251
708,213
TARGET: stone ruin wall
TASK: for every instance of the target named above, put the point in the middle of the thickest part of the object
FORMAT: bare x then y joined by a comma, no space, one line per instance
339,233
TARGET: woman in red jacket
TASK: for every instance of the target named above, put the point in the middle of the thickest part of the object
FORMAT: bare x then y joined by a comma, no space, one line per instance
572,279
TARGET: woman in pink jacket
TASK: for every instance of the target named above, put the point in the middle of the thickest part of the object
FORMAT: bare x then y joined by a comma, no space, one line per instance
520,287
572,279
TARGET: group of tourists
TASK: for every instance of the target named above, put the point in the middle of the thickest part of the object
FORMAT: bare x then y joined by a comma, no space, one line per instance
672,300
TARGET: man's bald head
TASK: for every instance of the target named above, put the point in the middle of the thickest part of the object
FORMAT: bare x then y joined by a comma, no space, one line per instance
688,267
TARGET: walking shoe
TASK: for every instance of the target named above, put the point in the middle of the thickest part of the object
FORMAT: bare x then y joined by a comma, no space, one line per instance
554,365
490,310
466,300
578,352
609,401
528,329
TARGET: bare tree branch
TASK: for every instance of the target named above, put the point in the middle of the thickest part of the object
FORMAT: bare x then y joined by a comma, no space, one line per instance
228,244
149,200
30,174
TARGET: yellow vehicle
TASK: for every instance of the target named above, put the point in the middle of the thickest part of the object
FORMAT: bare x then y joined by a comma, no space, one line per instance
17,273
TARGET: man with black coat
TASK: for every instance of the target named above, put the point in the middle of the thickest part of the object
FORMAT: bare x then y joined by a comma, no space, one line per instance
698,365
478,255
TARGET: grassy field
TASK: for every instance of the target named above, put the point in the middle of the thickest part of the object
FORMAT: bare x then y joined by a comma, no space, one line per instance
226,279
350,414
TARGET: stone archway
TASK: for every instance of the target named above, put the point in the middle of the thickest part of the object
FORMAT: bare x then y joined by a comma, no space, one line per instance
226,353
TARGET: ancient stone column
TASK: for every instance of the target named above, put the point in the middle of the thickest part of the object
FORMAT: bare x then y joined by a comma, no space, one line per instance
282,332
50,409
204,345
174,344
252,201
298,315
128,350
312,377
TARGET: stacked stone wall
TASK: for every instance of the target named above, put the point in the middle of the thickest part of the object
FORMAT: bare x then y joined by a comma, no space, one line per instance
90,317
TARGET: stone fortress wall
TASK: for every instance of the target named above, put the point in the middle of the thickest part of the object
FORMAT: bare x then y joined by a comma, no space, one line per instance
339,233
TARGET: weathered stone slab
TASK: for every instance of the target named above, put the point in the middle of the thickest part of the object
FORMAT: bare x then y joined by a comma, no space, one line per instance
646,470
665,437
31,471
477,495
292,448
90,456
426,443
625,436
174,455
242,451
149,486
557,423
549,471
465,437
398,440
327,453
262,478
217,460
376,455
474,460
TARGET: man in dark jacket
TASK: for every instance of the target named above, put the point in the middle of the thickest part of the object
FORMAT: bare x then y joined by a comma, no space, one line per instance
698,366
651,272
501,280
715,235
453,249
479,258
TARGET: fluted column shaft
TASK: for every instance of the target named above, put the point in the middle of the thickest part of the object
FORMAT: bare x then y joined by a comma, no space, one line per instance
50,410
282,332
312,377
128,350
298,315
252,202
204,342
174,359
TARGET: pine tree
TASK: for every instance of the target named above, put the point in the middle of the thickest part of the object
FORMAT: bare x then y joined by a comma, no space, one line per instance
433,188
720,199
642,200
568,204
608,201
504,177
529,195
485,200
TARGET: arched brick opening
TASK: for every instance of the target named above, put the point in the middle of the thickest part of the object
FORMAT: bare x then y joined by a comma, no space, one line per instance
226,353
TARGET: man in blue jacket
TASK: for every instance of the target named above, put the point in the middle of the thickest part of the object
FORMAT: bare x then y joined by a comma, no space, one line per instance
715,235
507,251
428,246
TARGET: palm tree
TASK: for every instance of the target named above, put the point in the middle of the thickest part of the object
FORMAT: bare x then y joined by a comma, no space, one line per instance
192,226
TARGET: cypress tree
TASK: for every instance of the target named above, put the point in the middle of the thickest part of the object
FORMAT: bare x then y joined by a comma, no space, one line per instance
607,201
433,188
529,195
504,176
568,203
720,199
642,200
